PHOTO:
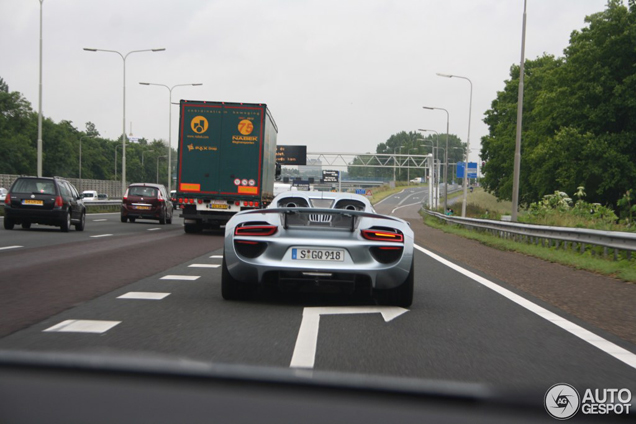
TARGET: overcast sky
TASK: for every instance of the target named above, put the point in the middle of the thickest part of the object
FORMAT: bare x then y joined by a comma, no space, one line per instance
338,76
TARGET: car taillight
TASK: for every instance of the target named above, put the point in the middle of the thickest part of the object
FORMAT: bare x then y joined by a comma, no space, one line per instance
381,235
7,200
255,230
59,202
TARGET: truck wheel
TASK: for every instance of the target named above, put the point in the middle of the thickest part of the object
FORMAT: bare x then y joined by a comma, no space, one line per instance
401,295
66,224
232,289
8,223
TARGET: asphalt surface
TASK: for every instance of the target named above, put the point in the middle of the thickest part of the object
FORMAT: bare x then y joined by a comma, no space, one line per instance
457,328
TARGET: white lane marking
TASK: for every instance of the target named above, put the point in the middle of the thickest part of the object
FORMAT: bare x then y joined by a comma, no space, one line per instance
10,247
203,266
389,197
305,350
405,206
82,326
216,257
606,346
144,295
181,277
154,229
100,220
102,235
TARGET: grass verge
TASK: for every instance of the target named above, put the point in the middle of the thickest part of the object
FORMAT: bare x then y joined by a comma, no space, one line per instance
621,269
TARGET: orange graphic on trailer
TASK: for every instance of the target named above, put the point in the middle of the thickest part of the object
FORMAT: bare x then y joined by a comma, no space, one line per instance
245,127
199,124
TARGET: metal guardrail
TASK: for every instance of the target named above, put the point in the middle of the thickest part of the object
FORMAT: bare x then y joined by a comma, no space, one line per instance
102,202
538,234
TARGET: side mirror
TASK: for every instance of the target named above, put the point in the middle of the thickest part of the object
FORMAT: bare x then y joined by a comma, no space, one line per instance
278,171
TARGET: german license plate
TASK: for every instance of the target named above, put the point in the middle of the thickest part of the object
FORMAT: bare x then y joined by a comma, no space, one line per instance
326,255
217,205
33,202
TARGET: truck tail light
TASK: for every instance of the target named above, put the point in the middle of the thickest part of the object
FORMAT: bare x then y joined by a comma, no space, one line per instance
199,201
382,235
255,230
237,203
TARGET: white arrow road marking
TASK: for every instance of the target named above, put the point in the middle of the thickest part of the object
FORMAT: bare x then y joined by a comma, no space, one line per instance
305,350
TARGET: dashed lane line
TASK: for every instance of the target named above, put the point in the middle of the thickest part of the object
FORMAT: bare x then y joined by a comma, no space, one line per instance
10,247
82,326
181,277
144,295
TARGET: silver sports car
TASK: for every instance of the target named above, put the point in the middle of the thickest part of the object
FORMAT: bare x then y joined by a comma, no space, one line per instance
319,241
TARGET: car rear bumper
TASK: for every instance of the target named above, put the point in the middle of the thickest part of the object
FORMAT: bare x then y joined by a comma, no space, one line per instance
359,264
47,217
128,212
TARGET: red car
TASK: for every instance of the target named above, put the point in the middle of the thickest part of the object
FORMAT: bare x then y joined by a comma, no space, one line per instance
146,201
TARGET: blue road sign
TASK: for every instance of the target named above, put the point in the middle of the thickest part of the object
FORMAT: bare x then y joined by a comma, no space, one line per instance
472,169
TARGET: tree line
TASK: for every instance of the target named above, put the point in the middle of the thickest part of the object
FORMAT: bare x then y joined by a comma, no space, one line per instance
101,157
579,116
413,143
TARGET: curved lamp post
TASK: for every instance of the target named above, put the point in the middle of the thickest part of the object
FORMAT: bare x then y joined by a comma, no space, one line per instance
123,134
470,108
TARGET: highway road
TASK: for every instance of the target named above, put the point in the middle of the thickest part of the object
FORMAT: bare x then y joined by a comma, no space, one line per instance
149,290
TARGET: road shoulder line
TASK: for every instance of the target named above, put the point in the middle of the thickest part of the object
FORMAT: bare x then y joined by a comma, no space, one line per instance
606,346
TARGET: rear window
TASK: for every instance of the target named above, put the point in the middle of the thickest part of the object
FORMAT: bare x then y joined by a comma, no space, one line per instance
34,185
142,191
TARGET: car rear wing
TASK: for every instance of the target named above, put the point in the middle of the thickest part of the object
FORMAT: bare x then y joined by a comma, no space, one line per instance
313,218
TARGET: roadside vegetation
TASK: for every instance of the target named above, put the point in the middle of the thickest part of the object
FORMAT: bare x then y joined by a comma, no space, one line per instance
589,261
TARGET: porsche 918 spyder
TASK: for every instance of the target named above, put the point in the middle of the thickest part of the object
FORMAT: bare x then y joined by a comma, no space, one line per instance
319,241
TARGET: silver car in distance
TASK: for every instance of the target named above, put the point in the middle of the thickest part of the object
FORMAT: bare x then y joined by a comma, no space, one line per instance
319,241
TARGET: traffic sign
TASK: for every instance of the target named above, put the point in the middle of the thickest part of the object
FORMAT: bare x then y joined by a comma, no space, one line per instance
330,176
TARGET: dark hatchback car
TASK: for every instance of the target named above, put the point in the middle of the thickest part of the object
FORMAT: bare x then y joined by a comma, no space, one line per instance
41,200
146,201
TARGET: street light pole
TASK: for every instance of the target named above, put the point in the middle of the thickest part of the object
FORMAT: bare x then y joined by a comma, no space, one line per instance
39,159
435,172
408,169
445,155
517,161
170,124
470,109
123,134
394,160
